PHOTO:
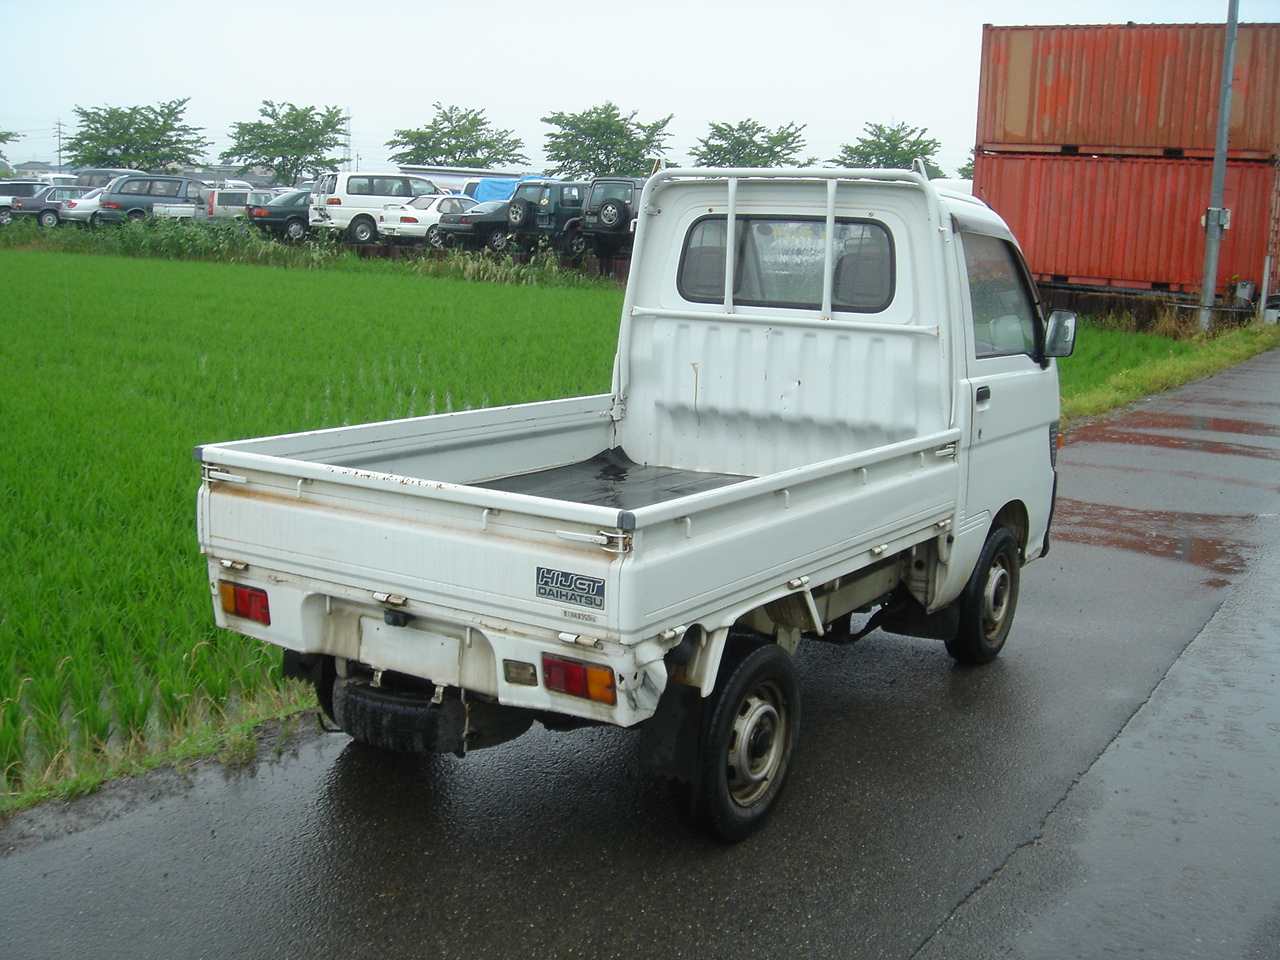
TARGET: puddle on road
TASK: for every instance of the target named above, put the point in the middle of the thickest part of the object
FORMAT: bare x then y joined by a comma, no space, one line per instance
1182,433
1212,542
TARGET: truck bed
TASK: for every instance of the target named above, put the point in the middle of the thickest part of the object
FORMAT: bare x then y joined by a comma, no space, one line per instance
612,479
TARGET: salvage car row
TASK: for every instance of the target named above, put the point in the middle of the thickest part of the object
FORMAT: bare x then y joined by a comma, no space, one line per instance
361,208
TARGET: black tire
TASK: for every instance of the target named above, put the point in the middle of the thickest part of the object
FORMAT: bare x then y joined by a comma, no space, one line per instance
326,674
362,230
614,215
48,218
497,239
6,215
749,734
519,213
295,231
433,238
989,600
135,215
574,244
94,221
389,720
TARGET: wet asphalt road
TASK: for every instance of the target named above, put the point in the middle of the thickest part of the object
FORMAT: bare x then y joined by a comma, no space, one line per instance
1109,787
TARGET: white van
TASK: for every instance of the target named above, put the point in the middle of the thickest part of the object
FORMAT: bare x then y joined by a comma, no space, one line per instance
351,202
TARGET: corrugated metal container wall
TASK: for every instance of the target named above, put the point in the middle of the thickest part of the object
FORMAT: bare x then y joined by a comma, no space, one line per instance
1130,221
1148,89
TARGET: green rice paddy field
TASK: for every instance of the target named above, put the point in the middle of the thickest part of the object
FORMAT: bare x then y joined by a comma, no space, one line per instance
115,368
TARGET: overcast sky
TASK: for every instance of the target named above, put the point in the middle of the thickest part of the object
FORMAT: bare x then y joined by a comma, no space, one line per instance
831,65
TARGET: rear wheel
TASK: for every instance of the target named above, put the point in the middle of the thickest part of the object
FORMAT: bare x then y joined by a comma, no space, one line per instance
433,237
748,737
48,218
295,231
362,230
989,600
574,243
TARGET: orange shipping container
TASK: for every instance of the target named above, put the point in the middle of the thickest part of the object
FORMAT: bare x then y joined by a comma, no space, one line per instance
1132,221
1141,89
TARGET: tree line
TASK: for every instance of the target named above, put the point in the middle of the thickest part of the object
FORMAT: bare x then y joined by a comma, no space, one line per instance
297,142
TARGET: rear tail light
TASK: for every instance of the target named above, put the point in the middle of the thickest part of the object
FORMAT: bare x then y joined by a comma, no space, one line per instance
242,601
334,201
109,205
259,212
578,679
465,220
408,219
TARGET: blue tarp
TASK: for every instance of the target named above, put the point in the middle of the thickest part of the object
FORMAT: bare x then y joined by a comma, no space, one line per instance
499,188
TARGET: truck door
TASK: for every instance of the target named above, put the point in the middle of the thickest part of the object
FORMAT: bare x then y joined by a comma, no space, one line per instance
1013,392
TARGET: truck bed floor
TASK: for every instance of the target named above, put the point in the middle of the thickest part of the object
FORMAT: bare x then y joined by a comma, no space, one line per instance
612,479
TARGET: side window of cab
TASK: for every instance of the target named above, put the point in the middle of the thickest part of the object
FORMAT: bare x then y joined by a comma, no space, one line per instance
1005,319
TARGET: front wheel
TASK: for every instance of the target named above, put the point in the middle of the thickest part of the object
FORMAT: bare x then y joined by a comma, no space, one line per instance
750,734
989,600
498,239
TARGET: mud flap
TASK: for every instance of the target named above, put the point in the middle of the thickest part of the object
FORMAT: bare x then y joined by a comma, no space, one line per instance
911,620
669,738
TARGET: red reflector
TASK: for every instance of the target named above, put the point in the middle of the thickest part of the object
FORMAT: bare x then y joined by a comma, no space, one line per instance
247,602
565,676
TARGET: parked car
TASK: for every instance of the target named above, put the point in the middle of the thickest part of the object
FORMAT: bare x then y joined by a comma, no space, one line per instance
133,197
11,190
101,176
84,209
419,219
287,216
609,214
46,206
545,208
349,203
484,225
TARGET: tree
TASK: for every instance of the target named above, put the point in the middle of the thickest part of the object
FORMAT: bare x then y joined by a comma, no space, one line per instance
152,138
7,136
750,144
966,172
458,137
292,142
891,148
600,141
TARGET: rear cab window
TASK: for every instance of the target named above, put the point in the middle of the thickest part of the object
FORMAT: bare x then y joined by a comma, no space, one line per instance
781,262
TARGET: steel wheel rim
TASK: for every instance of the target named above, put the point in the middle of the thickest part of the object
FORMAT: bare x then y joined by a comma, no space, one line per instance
995,597
757,744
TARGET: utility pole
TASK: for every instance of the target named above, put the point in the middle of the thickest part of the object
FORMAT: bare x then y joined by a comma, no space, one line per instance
1216,218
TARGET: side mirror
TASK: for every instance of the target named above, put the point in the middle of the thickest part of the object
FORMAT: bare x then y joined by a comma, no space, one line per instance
1060,338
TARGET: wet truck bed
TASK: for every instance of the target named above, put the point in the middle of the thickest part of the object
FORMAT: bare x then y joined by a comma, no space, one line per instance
612,479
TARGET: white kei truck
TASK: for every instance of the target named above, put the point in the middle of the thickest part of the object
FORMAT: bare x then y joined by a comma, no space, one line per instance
834,396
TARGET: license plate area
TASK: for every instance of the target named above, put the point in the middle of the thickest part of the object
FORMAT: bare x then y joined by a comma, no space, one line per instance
420,653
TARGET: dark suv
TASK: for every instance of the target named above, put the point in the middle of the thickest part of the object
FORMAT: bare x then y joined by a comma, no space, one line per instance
609,214
546,208
132,197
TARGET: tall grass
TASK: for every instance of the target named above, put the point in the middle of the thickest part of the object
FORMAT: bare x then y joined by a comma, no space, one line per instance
116,368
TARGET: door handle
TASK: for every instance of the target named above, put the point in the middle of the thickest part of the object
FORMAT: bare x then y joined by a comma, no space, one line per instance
983,394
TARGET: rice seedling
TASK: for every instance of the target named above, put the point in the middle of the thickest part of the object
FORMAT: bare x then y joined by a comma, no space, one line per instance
116,369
